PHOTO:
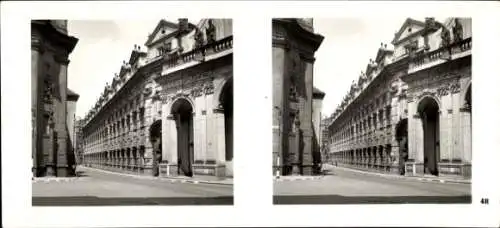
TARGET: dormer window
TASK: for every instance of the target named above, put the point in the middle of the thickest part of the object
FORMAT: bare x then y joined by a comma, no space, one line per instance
411,47
409,29
163,31
168,47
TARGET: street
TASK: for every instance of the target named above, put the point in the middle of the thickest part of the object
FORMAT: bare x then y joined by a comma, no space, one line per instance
349,187
94,188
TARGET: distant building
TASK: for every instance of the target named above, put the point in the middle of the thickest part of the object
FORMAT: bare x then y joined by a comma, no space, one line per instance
72,98
318,96
50,47
410,111
325,140
169,110
295,145
79,141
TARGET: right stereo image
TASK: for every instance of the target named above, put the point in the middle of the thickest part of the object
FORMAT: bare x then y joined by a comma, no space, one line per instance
372,110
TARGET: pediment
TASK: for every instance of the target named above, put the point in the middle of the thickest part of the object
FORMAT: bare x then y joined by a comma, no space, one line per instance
408,29
164,28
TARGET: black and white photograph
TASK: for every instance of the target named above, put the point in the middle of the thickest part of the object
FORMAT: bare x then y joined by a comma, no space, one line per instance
331,114
372,110
132,112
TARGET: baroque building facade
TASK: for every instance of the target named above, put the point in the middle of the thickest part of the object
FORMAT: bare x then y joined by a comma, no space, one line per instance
52,151
169,110
295,143
410,111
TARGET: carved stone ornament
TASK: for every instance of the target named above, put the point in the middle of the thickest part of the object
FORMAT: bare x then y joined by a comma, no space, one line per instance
196,91
409,99
147,91
48,91
156,95
443,90
208,88
455,87
394,87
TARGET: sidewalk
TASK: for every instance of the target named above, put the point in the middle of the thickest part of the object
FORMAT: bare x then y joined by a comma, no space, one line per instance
394,176
181,179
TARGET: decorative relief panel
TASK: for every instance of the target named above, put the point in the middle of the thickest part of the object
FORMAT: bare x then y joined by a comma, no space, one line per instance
48,91
208,88
453,87
196,91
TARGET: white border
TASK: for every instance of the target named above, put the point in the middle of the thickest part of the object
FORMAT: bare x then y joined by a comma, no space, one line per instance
252,70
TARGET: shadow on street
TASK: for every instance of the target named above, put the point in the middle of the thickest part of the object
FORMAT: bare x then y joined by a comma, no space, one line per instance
338,199
81,174
96,201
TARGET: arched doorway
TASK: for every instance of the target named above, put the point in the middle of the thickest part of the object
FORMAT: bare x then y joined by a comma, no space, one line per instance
226,101
155,137
182,111
402,139
428,109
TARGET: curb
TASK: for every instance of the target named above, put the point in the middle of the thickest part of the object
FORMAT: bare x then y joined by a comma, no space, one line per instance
296,178
423,179
170,179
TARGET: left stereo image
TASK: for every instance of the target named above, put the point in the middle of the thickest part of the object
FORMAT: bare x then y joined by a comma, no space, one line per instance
132,112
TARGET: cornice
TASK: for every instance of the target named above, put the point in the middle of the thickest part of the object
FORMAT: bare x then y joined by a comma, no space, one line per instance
48,32
294,29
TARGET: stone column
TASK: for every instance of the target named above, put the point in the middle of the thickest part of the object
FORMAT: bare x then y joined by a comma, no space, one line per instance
357,158
127,159
133,158
416,142
362,158
466,131
36,117
169,140
63,168
221,141
119,159
124,158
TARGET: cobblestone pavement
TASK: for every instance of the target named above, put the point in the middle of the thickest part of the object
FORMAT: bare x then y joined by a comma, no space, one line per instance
348,187
101,188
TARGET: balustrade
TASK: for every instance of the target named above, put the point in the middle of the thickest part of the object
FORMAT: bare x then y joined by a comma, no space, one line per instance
438,54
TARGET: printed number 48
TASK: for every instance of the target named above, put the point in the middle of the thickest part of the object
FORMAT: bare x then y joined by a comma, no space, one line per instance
484,200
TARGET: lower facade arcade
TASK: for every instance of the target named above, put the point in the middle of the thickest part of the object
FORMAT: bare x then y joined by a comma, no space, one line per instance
374,158
131,159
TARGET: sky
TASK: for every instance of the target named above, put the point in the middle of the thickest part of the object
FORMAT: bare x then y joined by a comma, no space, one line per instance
348,45
102,46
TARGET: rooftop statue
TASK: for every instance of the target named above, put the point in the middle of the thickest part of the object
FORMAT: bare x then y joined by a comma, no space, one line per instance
457,31
373,64
198,38
210,31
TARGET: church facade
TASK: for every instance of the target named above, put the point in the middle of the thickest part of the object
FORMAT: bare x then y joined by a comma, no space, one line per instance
295,122
169,110
51,100
409,112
